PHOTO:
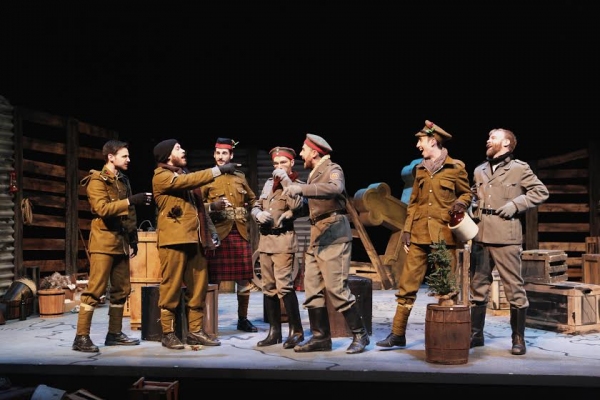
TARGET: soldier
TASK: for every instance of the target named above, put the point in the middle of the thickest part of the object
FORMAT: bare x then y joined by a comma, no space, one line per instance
278,244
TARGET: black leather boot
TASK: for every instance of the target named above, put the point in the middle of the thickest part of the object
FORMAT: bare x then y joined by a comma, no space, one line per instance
360,336
517,325
321,332
171,341
296,331
477,323
392,340
200,337
85,344
273,309
120,339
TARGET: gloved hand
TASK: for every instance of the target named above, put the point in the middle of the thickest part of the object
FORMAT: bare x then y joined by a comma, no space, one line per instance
139,199
283,177
458,208
293,190
228,168
507,211
286,215
405,238
263,217
134,249
218,205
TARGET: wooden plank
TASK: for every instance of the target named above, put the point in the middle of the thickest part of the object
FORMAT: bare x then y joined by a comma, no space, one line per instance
48,221
564,246
567,189
562,173
43,185
43,146
562,159
564,207
42,168
43,244
563,227
369,248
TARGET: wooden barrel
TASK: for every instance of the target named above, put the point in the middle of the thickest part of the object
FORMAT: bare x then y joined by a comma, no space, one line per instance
51,302
447,334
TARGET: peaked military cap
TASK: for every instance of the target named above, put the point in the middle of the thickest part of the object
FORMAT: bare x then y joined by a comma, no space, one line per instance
431,129
282,151
317,143
225,143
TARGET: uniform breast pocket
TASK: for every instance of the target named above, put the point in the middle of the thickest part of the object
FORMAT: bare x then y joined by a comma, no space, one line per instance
447,188
510,190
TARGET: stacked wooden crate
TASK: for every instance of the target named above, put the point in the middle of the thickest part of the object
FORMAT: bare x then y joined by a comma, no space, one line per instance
591,261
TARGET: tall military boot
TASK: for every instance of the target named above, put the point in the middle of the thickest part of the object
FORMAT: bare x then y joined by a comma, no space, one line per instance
321,332
397,336
82,340
296,331
477,323
243,323
360,336
115,336
517,325
167,323
273,309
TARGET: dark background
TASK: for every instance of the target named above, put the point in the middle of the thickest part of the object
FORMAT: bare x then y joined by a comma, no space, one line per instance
362,76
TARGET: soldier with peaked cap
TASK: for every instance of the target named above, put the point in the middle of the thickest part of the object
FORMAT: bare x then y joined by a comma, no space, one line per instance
505,187
327,258
184,234
277,246
229,200
441,185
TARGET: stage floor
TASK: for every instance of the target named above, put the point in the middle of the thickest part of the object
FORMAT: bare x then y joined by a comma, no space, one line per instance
38,351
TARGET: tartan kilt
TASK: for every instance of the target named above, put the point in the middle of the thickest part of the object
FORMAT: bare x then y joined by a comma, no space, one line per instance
232,260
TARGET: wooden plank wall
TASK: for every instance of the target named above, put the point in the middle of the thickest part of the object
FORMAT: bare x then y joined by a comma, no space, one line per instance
570,215
52,154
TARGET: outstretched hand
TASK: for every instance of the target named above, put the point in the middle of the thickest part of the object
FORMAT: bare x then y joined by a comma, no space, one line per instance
293,190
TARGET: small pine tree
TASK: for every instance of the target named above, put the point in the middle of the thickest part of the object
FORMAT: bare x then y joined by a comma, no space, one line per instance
441,280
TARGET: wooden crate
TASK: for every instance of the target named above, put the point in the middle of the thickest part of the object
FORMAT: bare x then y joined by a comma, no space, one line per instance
544,266
150,390
567,307
144,271
497,303
592,244
591,269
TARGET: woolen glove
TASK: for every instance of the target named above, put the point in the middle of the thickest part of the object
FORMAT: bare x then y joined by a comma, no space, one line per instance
292,190
283,177
507,211
134,249
405,238
228,168
139,199
218,205
458,208
263,217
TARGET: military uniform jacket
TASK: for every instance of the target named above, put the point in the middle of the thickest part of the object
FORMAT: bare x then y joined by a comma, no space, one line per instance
277,204
235,188
325,190
114,225
513,181
432,197
178,219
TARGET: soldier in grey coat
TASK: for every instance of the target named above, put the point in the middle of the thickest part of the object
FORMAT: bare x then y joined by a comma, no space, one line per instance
504,188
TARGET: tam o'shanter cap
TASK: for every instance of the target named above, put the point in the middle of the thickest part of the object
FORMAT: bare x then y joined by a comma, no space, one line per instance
163,150
317,143
431,129
282,151
225,143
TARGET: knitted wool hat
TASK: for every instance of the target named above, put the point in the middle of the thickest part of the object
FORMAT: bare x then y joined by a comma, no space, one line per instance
163,150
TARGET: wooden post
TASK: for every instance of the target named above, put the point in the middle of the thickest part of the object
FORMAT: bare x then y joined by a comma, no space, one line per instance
386,283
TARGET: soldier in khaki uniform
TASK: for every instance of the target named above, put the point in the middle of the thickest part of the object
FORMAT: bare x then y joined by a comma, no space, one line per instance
504,187
327,259
441,186
229,200
184,234
275,215
113,233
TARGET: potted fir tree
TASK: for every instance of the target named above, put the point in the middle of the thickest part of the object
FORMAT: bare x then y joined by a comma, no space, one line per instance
441,280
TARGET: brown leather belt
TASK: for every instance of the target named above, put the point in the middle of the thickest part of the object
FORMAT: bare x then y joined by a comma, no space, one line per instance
488,211
326,215
275,231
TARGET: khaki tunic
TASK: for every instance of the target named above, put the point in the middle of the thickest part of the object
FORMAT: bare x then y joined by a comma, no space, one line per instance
113,228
